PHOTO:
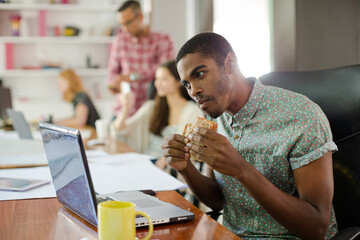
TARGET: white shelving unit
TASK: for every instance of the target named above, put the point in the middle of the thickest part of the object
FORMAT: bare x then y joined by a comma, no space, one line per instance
58,7
53,40
82,72
34,88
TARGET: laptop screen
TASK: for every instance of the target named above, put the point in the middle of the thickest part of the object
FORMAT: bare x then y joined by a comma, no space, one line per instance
20,124
72,181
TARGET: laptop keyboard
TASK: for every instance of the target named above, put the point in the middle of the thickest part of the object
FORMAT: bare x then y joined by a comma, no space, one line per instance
100,199
146,203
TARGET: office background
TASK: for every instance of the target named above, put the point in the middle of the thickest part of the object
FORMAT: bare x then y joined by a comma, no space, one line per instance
302,35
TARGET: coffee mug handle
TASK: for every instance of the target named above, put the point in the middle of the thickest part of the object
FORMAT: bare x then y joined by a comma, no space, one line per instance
151,227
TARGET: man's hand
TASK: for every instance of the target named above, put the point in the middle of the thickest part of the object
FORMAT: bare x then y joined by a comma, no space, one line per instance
216,151
175,151
177,155
115,88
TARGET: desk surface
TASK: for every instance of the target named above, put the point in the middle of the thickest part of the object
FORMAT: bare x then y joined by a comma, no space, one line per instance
47,219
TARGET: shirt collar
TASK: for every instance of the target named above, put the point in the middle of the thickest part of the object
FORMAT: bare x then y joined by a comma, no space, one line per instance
241,118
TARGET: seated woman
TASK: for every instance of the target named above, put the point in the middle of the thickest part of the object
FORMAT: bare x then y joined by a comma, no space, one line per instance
171,110
85,113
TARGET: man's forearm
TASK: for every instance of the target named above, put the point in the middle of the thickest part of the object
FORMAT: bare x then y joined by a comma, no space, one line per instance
205,188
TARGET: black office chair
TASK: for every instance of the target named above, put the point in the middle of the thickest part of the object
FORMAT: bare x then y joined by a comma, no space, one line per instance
151,91
337,92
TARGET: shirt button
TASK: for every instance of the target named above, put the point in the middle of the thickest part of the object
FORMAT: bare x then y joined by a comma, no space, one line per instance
240,190
236,137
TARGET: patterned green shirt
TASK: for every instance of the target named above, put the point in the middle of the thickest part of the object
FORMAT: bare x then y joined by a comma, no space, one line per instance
276,131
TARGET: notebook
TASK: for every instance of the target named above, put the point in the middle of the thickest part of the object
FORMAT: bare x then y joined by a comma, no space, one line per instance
20,124
74,188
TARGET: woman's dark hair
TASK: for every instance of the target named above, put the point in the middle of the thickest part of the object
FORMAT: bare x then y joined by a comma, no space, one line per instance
160,117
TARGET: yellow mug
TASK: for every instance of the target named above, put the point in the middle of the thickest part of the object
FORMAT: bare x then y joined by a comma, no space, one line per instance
116,220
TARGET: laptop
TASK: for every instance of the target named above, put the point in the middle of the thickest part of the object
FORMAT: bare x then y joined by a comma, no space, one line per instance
5,103
20,124
74,188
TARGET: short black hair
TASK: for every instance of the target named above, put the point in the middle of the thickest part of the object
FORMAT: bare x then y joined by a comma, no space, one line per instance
208,45
135,5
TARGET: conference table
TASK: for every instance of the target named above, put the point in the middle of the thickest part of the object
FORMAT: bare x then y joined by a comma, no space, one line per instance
46,218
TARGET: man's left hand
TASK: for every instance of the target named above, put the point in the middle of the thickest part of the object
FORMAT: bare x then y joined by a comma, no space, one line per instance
216,151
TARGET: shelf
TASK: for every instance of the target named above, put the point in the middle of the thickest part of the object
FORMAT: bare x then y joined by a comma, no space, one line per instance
58,7
99,72
54,40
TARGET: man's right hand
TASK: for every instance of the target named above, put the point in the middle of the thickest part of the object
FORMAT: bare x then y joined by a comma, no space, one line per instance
175,151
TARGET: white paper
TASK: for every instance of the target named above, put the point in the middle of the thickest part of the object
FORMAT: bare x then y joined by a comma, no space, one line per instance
132,175
42,173
121,157
13,135
21,152
128,174
95,153
22,159
20,146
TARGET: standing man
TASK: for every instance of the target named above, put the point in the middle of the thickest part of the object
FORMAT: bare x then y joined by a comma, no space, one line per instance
135,54
271,157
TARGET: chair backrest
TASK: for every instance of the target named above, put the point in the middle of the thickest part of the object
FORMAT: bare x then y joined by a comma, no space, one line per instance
151,91
337,92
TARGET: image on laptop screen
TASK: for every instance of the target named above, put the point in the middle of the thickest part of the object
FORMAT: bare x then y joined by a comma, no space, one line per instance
69,173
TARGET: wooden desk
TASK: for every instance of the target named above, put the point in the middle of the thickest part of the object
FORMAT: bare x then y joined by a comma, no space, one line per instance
47,219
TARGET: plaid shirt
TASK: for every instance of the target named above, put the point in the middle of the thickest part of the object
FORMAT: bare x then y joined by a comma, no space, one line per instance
141,55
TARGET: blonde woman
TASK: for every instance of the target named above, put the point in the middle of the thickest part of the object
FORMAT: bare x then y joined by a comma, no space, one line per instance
71,87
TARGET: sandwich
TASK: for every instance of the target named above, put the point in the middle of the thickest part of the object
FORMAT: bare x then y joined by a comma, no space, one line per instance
199,122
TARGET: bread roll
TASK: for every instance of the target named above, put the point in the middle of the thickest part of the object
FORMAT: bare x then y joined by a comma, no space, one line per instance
199,122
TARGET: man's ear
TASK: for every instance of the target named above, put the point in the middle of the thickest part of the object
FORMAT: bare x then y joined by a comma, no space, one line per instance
230,63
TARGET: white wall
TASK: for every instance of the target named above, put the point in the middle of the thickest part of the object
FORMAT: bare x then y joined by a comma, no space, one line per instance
283,34
327,33
170,16
182,19
313,35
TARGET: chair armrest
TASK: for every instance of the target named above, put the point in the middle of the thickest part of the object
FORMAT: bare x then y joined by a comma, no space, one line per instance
214,214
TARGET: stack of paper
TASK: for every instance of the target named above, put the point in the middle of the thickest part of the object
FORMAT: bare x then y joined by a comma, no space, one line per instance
110,173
